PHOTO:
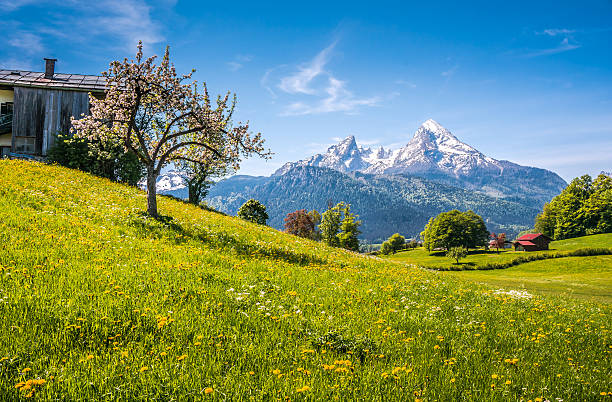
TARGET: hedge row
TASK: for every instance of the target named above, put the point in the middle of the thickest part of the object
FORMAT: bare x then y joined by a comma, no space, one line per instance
581,252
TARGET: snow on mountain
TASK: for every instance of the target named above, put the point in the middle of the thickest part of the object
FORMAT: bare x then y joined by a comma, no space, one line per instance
433,148
435,153
170,182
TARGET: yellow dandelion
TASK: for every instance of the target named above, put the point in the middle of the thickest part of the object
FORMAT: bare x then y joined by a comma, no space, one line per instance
276,371
494,376
143,369
208,390
181,357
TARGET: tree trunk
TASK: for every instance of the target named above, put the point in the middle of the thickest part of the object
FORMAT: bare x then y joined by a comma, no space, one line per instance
193,192
152,192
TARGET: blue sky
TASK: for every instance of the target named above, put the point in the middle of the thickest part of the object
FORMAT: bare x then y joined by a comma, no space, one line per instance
526,82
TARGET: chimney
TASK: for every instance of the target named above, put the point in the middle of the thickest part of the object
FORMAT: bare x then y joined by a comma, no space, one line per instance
49,68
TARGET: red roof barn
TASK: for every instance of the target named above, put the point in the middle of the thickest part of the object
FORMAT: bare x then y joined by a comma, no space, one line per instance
532,242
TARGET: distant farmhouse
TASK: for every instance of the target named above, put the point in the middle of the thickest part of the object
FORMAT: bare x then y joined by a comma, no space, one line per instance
35,107
532,242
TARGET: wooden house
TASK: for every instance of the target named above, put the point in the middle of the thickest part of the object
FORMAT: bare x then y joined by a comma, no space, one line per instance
35,107
532,242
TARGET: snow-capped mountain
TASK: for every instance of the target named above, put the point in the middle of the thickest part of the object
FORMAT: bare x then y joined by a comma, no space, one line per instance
435,153
170,182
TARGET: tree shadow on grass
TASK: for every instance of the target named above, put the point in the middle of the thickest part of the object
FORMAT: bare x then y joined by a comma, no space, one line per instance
159,226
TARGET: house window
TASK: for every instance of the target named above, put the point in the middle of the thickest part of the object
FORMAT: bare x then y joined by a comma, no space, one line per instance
6,108
25,145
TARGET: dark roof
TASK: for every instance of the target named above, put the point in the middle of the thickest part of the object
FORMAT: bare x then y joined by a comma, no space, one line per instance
78,82
531,236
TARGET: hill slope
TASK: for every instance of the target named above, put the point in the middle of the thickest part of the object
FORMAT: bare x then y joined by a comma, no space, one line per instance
101,302
386,204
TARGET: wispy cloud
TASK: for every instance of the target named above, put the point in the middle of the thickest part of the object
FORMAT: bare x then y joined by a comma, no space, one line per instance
15,63
26,42
239,61
450,72
557,31
338,99
312,79
300,81
107,23
11,5
406,83
567,43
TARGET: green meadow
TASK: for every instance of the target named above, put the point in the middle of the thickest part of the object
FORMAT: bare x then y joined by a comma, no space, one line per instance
585,277
101,302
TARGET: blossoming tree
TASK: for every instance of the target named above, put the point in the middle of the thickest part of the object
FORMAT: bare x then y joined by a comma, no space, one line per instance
165,118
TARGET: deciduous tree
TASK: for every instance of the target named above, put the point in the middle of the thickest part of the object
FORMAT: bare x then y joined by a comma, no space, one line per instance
349,229
330,225
163,117
457,253
453,229
299,223
253,211
198,176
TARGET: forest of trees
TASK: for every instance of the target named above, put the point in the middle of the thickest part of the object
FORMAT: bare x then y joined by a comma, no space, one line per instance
584,207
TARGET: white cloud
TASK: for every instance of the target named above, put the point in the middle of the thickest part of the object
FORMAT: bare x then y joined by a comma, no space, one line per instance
239,61
406,83
27,42
300,81
11,5
557,31
16,64
338,99
450,72
314,80
567,43
103,23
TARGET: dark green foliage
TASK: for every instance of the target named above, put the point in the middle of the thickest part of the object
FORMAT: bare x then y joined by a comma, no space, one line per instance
253,211
349,230
457,253
583,208
315,217
454,229
108,160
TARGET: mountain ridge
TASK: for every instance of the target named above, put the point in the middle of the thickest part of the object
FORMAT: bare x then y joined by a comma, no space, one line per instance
436,154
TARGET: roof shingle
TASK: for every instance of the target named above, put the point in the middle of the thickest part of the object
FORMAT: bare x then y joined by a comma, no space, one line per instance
77,82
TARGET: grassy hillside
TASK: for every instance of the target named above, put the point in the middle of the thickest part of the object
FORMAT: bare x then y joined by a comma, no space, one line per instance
100,302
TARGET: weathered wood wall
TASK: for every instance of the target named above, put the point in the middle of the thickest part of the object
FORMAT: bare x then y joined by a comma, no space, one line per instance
43,113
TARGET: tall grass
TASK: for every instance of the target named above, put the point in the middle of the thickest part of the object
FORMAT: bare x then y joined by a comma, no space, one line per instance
100,302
